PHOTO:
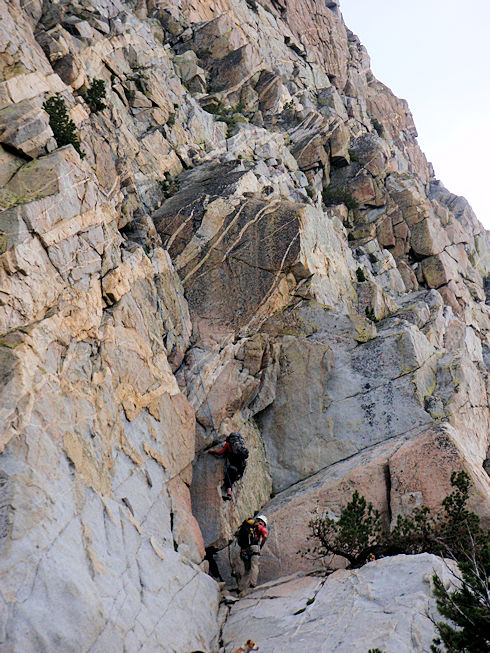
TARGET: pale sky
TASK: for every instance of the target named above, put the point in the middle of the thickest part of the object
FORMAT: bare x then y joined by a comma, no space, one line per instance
436,55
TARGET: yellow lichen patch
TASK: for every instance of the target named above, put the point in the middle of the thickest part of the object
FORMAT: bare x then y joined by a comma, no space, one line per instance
364,329
12,71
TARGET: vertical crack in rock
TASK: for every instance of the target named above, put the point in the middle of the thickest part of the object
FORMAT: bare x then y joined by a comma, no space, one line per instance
388,491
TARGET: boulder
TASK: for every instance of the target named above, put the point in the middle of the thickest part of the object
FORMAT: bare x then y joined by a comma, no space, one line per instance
371,152
384,232
25,128
269,88
408,276
70,70
310,152
438,270
348,611
215,39
228,73
428,237
190,72
229,391
339,146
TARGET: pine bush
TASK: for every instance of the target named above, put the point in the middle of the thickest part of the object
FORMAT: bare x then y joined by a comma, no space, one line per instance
64,129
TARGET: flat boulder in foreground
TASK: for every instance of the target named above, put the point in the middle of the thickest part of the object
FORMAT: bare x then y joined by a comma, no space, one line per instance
384,604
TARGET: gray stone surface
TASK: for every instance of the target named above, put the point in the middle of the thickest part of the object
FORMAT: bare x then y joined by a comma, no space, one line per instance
385,604
336,397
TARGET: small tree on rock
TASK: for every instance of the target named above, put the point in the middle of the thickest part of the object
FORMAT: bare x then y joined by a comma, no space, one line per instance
467,610
64,129
95,95
356,533
359,531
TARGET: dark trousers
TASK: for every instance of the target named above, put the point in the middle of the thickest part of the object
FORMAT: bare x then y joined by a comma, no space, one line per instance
232,474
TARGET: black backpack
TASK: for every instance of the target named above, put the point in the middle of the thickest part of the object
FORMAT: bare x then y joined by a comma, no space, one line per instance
247,535
239,451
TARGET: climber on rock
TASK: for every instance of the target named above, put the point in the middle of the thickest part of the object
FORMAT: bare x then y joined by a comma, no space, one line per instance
251,537
236,454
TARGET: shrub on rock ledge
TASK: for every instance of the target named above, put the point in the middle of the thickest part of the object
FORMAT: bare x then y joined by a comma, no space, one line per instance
64,129
95,95
359,533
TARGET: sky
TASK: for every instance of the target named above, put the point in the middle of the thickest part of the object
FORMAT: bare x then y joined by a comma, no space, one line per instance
436,55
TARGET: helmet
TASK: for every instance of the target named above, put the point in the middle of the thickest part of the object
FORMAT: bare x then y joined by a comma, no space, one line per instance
263,518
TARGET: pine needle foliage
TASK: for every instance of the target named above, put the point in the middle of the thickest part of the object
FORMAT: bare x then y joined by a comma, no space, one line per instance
95,95
353,536
467,609
64,129
454,532
359,532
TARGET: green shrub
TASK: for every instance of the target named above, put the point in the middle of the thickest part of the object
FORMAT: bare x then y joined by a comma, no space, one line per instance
353,535
95,95
468,607
453,531
340,195
64,129
169,185
359,532
360,275
369,310
229,115
378,126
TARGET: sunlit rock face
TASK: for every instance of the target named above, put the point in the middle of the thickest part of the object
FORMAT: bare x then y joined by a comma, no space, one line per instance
252,241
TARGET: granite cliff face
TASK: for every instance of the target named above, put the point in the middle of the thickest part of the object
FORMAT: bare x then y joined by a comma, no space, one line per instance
253,240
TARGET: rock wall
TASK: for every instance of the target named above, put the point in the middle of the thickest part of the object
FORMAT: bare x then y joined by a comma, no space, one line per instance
252,240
